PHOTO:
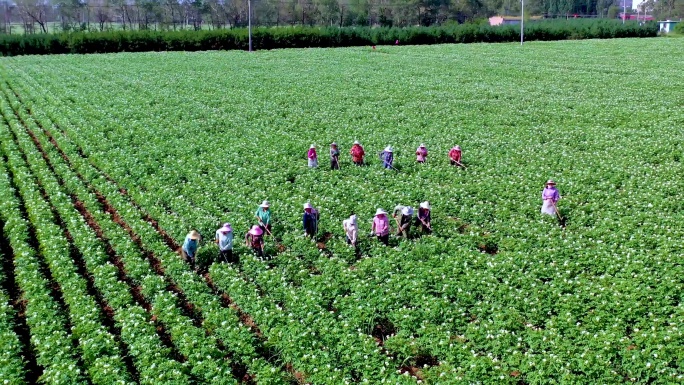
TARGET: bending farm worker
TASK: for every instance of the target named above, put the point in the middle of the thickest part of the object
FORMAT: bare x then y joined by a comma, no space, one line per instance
313,157
263,214
351,230
357,153
405,214
387,157
423,218
334,157
550,197
421,153
255,240
224,240
455,156
381,226
190,246
310,220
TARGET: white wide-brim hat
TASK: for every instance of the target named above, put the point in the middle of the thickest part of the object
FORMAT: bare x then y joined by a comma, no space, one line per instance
458,148
307,205
380,212
550,181
313,146
194,235
407,210
425,205
265,204
356,142
353,219
388,148
422,145
333,144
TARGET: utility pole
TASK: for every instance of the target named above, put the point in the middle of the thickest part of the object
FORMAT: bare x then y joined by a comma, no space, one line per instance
522,20
624,11
249,23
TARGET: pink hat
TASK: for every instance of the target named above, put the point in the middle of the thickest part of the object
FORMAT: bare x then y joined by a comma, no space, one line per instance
226,228
256,230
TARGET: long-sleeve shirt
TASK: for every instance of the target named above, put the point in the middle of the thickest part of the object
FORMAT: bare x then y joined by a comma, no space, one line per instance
387,159
225,240
424,214
351,229
455,155
421,154
312,153
309,220
381,225
550,193
357,153
190,247
264,215
334,153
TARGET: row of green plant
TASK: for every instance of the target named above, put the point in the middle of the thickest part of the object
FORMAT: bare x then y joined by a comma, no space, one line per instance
204,360
305,37
12,365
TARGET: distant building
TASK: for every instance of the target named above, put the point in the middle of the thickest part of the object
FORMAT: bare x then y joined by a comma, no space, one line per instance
667,26
510,20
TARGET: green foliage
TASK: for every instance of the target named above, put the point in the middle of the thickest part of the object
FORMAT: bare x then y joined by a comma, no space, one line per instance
303,37
679,28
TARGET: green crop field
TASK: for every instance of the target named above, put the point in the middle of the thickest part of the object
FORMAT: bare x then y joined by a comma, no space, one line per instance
107,161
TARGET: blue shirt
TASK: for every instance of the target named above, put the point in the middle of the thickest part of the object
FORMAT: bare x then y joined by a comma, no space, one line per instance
190,246
225,240
387,158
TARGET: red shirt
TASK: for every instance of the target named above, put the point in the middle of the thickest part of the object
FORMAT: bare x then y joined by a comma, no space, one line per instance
455,154
357,153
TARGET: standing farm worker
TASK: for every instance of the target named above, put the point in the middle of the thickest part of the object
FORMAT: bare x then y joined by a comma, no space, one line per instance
263,214
423,218
550,197
351,230
455,155
381,227
405,215
357,153
224,240
387,157
421,154
254,239
310,220
190,245
334,157
313,157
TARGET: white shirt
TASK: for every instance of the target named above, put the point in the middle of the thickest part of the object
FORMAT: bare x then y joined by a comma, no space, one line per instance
350,229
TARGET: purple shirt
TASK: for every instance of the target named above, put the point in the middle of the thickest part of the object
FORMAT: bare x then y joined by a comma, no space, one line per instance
550,193
381,225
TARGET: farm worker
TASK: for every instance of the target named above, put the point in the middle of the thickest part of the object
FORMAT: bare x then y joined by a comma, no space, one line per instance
310,220
387,157
313,157
381,226
224,240
351,230
334,157
190,245
263,214
421,153
254,239
357,153
550,196
423,218
405,214
455,155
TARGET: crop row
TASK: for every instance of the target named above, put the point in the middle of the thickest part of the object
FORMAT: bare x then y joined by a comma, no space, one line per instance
12,366
182,332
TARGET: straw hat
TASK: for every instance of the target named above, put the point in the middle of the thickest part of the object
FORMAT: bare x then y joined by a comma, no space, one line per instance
265,204
356,142
194,235
226,228
307,205
425,205
408,210
388,148
256,230
380,212
550,182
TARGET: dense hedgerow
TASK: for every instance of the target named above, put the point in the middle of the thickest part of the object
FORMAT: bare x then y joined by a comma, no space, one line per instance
303,37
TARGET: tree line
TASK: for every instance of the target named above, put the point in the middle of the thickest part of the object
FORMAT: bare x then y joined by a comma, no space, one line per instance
44,16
